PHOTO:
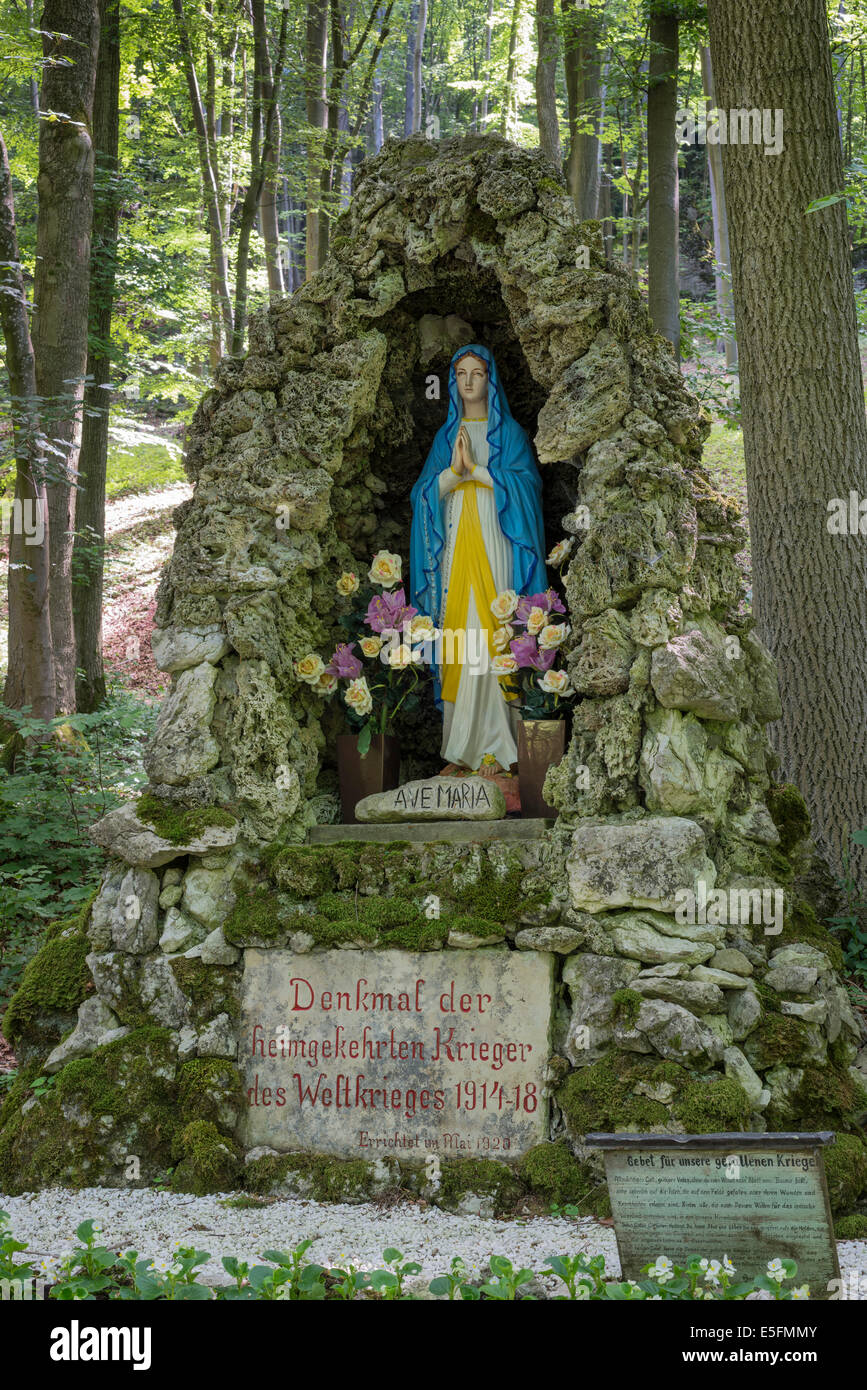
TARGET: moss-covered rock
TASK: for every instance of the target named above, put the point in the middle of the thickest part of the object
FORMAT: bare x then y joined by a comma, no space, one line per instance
846,1170
211,989
462,1179
52,986
605,1096
319,1176
790,815
713,1105
177,823
210,1088
207,1161
853,1227
552,1172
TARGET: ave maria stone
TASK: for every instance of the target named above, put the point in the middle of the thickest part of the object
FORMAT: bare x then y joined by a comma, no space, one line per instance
363,1053
435,798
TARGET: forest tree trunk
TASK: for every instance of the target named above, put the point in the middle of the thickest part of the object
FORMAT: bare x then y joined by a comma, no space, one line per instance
805,434
88,555
315,61
722,254
583,69
663,291
70,39
546,80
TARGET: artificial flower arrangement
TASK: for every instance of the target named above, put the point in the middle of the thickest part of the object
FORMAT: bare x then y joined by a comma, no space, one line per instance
393,640
529,642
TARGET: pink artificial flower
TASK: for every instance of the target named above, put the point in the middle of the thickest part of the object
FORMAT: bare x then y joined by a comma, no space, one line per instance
343,664
389,611
526,652
527,602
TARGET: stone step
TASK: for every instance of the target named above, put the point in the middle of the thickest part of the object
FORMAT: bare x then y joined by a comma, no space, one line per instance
432,832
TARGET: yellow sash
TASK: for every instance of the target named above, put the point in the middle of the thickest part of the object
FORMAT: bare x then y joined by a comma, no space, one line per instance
471,569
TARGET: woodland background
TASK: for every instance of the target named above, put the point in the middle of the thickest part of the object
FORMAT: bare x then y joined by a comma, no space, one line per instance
167,168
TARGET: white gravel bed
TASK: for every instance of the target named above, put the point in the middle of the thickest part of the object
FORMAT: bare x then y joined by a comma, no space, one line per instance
153,1223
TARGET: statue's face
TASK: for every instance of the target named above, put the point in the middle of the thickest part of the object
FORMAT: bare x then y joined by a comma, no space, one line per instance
471,375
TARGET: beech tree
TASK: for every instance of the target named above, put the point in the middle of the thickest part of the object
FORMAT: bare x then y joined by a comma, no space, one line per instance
805,434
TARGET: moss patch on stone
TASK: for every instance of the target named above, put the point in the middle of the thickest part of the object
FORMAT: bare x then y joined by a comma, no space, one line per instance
846,1170
211,989
323,1178
207,1160
210,1088
790,815
255,918
777,1039
853,1227
627,1003
553,1172
56,980
481,1177
711,1106
803,925
180,824
603,1096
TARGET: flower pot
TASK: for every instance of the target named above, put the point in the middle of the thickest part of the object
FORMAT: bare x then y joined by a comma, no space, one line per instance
377,771
541,743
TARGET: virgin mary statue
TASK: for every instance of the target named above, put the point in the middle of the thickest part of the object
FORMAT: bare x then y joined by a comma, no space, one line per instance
476,533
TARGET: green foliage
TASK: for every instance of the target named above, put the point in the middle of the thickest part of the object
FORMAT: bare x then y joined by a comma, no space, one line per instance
68,773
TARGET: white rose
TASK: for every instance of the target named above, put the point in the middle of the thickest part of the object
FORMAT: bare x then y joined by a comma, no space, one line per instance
553,635
310,668
554,682
560,551
347,584
401,657
327,683
421,628
371,646
358,696
503,636
385,569
504,605
504,664
536,620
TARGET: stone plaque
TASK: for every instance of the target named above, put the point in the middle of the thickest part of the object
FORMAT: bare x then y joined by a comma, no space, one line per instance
435,798
753,1197
366,1053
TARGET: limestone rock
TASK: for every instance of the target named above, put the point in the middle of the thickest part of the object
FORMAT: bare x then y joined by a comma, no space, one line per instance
792,979
738,1068
218,1038
699,998
96,1025
124,835
800,954
635,939
693,672
681,772
811,1011
592,982
640,864
724,979
732,960
675,1033
134,919
744,1012
605,655
207,894
466,941
180,932
175,649
435,799
183,746
217,951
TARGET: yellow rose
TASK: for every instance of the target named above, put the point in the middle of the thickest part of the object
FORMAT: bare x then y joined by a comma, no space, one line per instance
504,605
401,657
536,620
310,668
421,629
385,569
553,635
347,584
371,646
504,665
358,696
554,682
503,636
327,683
560,551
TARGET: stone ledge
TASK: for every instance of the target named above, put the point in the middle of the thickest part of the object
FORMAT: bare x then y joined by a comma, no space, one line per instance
431,832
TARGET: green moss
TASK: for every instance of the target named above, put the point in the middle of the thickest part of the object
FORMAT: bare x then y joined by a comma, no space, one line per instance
627,1003
790,815
255,918
329,933
211,989
417,936
474,926
852,1227
826,1098
208,1161
777,1039
56,980
602,1097
553,1172
710,1106
846,1170
210,1088
301,870
180,824
323,1178
483,1177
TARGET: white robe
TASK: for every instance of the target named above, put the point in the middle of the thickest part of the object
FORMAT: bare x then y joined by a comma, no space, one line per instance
480,720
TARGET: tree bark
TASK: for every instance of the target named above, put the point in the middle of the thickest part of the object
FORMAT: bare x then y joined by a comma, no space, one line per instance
722,254
88,552
582,66
548,43
417,50
662,208
60,292
409,75
805,433
486,71
30,678
315,63
509,113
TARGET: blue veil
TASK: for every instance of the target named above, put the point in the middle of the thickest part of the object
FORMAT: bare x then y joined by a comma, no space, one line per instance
517,493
